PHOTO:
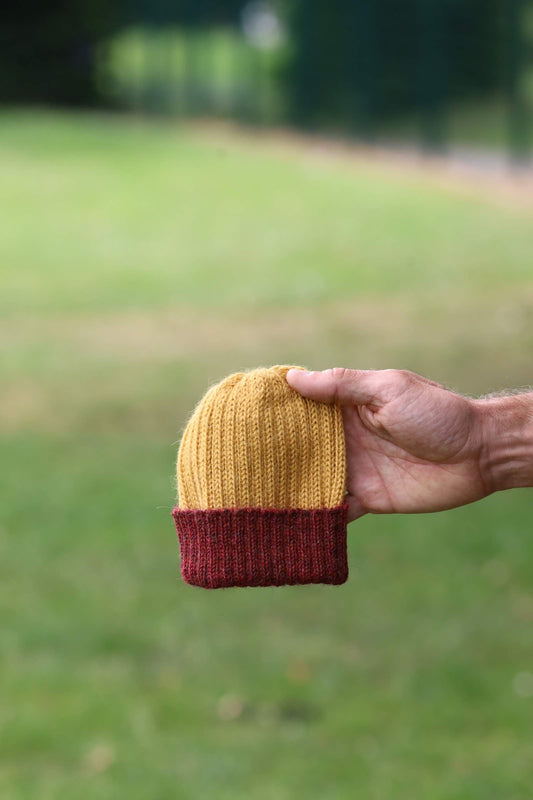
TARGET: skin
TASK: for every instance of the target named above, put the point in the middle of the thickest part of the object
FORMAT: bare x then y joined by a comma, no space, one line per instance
414,446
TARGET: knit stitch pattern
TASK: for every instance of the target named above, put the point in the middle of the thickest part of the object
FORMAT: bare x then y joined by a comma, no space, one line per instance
261,475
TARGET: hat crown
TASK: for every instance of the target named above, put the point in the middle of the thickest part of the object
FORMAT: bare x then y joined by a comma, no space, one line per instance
254,442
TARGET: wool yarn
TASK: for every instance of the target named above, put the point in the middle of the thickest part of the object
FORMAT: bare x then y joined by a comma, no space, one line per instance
261,474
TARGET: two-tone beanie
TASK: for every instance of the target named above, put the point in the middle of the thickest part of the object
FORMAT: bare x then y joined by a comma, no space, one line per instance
261,476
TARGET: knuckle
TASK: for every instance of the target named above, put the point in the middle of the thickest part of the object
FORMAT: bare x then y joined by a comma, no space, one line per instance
340,378
339,373
404,377
395,382
406,374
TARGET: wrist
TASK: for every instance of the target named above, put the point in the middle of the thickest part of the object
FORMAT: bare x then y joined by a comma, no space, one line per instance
506,441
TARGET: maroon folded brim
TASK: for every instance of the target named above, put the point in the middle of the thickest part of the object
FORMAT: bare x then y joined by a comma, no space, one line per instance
262,547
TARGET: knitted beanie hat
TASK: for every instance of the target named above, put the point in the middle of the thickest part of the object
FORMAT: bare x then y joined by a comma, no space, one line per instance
261,478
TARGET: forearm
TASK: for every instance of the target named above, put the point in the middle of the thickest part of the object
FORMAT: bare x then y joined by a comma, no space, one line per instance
506,441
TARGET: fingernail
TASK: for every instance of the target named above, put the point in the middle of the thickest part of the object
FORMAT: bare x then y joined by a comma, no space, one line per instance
294,371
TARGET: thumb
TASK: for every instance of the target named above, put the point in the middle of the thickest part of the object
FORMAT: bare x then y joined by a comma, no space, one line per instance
337,385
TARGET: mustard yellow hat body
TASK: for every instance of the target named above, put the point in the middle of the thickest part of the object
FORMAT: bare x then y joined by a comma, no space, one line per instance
261,476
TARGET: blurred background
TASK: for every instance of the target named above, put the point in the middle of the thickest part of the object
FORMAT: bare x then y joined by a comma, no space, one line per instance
190,189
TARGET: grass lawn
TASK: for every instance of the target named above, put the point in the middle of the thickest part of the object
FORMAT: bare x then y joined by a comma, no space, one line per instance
139,262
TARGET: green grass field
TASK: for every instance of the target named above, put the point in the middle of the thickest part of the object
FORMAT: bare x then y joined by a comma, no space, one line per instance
139,263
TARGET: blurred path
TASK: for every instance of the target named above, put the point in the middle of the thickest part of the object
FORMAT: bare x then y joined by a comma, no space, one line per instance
477,172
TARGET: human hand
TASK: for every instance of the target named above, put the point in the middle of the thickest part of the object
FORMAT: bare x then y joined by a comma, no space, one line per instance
414,446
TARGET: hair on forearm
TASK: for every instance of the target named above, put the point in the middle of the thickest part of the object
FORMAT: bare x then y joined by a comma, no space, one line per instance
507,392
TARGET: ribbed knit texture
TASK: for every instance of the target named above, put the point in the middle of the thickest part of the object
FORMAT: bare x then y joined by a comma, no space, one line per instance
272,465
263,547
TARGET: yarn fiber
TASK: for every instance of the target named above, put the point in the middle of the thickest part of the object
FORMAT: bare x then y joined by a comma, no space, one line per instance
254,442
261,474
